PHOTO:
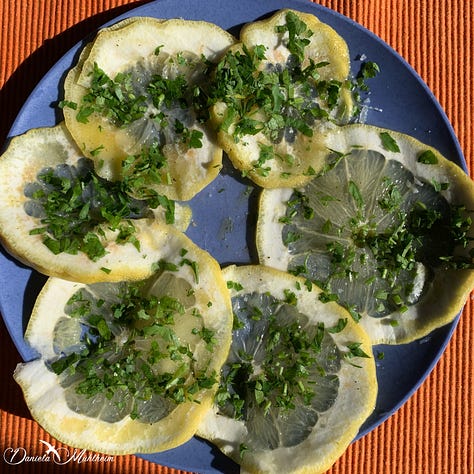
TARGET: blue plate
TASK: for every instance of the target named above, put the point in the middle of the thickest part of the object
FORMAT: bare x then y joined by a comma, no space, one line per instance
224,213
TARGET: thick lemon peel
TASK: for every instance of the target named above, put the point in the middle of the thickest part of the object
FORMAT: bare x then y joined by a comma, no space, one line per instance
448,288
46,398
126,45
337,426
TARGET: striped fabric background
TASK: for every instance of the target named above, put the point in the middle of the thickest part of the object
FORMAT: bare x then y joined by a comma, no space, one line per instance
433,432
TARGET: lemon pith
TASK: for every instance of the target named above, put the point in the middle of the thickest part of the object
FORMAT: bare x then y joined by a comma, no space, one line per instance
131,367
387,233
303,425
157,73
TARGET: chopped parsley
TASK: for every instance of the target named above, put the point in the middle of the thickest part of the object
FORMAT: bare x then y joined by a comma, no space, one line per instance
355,350
168,92
289,97
234,285
428,158
359,86
369,70
282,372
111,98
378,259
280,364
298,35
356,194
114,360
341,324
389,143
75,208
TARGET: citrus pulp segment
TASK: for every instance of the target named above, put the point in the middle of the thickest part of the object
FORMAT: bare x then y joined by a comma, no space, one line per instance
129,104
298,382
385,230
130,366
59,217
277,92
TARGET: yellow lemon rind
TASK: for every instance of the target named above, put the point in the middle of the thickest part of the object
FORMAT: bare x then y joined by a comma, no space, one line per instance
46,400
40,148
448,290
341,423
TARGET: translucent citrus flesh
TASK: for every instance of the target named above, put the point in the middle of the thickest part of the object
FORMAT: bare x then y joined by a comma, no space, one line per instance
143,50
305,424
307,152
148,409
52,149
354,230
143,371
279,427
349,209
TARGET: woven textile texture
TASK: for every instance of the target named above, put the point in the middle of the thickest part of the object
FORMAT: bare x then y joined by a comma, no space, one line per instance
433,432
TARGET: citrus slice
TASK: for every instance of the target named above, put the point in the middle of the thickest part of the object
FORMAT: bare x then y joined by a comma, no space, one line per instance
130,366
129,103
298,382
386,231
59,217
277,92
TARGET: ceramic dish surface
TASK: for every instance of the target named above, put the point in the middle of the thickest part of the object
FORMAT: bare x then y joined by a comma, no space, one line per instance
224,212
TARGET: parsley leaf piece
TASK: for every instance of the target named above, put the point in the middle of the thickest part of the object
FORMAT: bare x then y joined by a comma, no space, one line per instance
234,285
298,34
195,139
428,158
341,324
369,70
67,103
356,194
389,143
356,351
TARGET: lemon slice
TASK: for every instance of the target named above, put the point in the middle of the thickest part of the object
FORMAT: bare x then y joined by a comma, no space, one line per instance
54,217
130,366
284,86
386,230
130,103
298,382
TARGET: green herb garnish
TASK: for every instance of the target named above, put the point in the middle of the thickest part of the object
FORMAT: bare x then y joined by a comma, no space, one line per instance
389,143
428,158
290,99
78,207
134,371
112,98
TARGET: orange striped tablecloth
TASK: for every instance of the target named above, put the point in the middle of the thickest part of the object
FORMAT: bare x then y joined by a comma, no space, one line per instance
434,431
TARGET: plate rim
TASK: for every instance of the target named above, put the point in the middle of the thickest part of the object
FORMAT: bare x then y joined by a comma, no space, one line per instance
304,5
